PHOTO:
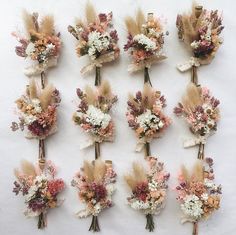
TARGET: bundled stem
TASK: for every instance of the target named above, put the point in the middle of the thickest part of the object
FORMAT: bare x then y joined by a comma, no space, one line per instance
195,228
43,78
194,77
42,221
201,151
42,157
147,149
98,76
146,76
94,225
150,223
97,150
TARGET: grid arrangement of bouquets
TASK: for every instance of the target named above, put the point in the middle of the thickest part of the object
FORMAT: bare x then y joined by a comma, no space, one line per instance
197,192
95,182
37,116
198,195
145,115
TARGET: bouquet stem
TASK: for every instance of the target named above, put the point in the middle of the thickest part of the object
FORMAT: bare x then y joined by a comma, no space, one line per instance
98,76
43,78
201,151
147,149
97,150
150,223
42,157
146,76
94,225
194,78
42,221
195,228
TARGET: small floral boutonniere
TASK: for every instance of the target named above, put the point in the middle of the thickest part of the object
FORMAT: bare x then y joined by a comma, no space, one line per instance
95,184
198,195
39,188
200,30
149,189
145,116
41,43
145,42
96,38
93,115
201,112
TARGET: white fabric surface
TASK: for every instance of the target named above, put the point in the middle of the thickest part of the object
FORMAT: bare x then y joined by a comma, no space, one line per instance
63,147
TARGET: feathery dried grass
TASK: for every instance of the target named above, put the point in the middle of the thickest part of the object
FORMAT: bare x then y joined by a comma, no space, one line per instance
32,89
131,26
90,13
90,95
150,94
140,19
99,171
131,181
88,171
28,22
198,171
138,175
46,96
47,25
192,98
105,89
27,168
139,172
185,173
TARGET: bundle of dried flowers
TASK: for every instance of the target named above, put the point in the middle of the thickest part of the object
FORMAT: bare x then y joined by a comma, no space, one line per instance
39,188
96,185
198,195
93,113
37,110
97,39
149,189
145,42
200,30
41,44
201,112
145,116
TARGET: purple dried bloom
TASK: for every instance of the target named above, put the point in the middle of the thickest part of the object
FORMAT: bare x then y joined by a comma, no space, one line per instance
79,93
102,17
20,51
114,35
16,188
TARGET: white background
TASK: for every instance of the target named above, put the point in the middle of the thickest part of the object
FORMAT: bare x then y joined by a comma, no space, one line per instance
63,147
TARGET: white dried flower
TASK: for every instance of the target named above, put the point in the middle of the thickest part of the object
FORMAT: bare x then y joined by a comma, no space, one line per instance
192,206
148,44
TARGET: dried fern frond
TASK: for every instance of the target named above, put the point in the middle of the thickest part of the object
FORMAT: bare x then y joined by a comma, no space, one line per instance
185,173
99,170
46,96
90,13
198,171
131,181
47,25
105,89
140,19
131,26
192,98
139,172
32,89
28,168
88,171
90,95
28,22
